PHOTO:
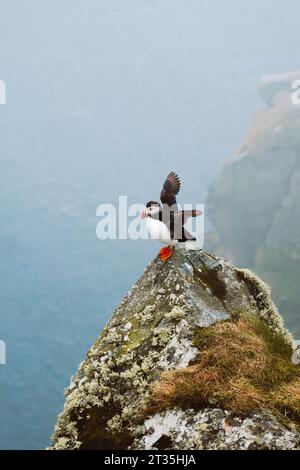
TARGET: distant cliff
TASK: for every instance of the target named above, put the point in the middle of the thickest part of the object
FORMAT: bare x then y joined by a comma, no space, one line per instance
195,357
254,205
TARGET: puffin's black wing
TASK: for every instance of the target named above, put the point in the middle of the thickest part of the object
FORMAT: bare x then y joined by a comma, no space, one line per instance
171,187
177,230
185,215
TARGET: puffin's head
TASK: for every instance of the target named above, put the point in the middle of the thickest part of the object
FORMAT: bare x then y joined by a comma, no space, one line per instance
152,209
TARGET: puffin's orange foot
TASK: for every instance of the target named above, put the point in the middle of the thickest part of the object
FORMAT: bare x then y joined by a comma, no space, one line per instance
166,252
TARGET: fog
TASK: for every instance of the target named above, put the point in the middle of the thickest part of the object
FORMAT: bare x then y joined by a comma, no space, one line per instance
104,98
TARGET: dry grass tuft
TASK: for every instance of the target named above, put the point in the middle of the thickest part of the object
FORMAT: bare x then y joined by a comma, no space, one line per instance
241,367
287,399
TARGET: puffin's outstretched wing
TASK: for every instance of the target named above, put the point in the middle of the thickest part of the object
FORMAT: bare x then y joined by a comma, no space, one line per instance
177,229
171,187
185,215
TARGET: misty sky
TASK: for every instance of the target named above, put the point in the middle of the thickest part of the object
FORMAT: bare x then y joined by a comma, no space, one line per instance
104,98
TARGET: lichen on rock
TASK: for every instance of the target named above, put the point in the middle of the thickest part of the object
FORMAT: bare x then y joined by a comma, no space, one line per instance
213,428
152,333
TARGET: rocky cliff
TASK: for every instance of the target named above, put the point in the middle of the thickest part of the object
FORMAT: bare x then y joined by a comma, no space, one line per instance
195,357
254,204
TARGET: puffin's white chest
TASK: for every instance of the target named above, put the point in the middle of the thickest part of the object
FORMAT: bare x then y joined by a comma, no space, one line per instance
158,230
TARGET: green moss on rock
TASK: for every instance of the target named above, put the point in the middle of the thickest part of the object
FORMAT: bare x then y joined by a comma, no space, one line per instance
153,331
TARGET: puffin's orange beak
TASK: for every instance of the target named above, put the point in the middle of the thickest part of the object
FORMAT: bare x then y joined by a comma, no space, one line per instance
143,215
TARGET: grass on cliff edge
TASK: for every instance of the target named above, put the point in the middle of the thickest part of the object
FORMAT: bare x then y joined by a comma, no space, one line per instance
241,367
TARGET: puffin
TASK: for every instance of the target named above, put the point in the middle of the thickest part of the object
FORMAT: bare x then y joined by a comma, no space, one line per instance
164,221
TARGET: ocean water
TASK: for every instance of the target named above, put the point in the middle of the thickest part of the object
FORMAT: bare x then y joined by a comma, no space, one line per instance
104,98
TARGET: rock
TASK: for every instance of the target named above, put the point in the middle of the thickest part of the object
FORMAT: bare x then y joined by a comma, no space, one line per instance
273,86
208,429
254,204
111,404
